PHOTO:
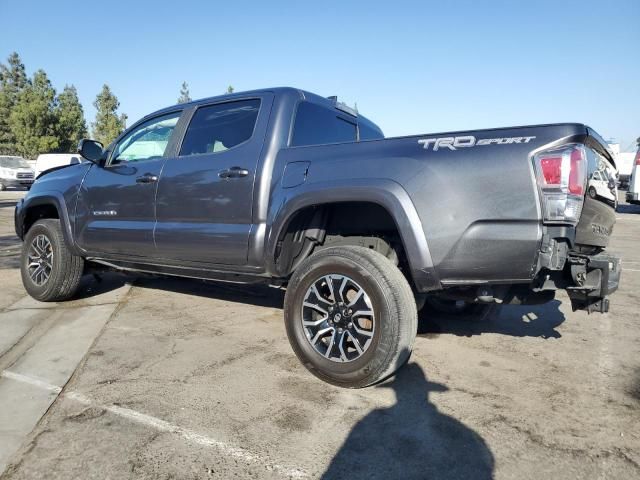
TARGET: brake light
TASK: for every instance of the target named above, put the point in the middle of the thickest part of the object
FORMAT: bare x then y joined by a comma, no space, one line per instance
577,172
551,170
562,175
638,158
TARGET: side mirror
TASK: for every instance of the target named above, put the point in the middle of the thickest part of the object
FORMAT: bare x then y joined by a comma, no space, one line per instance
90,149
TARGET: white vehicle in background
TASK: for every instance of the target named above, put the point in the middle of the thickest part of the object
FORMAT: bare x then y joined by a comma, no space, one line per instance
633,193
602,184
47,161
15,172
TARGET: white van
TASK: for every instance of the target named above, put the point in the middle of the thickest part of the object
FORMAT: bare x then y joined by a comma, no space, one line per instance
47,161
15,172
633,193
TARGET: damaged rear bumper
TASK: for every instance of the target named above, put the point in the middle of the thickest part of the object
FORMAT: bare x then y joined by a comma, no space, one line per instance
592,279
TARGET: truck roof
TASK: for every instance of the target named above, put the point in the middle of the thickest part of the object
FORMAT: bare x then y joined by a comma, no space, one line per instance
278,91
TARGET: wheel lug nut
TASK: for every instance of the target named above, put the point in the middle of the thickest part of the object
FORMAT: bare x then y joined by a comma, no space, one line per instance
350,325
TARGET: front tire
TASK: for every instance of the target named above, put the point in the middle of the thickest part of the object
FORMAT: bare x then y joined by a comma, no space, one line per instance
50,272
350,316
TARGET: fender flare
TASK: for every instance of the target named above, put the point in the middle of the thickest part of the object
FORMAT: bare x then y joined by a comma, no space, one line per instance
384,192
48,198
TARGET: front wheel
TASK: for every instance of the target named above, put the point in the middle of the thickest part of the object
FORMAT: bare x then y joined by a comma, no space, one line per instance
50,272
350,316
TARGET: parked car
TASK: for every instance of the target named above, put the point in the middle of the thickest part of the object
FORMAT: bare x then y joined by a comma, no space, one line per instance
15,172
603,184
633,192
286,187
47,161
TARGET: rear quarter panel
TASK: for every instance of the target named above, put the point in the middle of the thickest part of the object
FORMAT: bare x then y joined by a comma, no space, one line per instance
478,206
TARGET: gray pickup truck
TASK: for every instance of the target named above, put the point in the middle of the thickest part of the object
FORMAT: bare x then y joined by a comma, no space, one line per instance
293,189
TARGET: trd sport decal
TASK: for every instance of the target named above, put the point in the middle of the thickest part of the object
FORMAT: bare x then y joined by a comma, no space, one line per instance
453,143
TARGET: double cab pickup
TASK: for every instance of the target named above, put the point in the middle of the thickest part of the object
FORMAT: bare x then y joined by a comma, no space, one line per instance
299,191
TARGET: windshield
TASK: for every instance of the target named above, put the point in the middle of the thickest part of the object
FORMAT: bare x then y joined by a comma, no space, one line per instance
13,162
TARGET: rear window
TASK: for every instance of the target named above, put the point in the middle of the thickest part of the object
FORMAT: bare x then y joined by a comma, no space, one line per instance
218,128
368,132
317,125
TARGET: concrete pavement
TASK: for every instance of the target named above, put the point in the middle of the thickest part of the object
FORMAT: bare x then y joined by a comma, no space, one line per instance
174,378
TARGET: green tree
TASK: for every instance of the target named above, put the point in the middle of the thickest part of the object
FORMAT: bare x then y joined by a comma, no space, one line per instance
109,124
71,125
33,118
184,93
230,89
13,79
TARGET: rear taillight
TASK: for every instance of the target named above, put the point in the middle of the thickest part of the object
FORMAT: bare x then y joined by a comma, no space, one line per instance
638,158
577,171
562,175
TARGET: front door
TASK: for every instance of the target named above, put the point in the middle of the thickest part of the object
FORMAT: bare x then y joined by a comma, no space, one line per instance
205,194
116,205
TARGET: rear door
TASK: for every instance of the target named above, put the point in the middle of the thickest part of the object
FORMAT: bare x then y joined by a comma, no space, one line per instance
116,205
205,194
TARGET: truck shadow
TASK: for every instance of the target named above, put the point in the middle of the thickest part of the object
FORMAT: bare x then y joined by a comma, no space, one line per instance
411,439
10,247
517,321
257,294
538,321
8,203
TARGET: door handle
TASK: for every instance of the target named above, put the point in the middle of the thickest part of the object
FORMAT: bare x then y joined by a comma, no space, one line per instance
147,178
234,172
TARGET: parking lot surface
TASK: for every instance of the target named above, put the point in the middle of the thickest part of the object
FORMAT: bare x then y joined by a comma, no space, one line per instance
144,377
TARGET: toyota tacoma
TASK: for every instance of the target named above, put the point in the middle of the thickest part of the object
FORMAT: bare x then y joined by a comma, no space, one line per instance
300,191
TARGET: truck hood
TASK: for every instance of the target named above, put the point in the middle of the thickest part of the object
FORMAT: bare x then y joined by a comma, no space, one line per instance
54,169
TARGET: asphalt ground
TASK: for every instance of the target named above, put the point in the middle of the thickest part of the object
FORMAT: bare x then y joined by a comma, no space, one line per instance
143,377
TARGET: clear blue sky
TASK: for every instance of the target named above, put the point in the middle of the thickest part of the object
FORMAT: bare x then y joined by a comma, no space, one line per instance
413,67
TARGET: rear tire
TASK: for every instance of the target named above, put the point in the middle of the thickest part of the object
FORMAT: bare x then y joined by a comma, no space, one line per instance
50,272
382,320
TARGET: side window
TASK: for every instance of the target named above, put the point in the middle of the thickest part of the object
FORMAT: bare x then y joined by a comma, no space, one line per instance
217,128
148,141
317,125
